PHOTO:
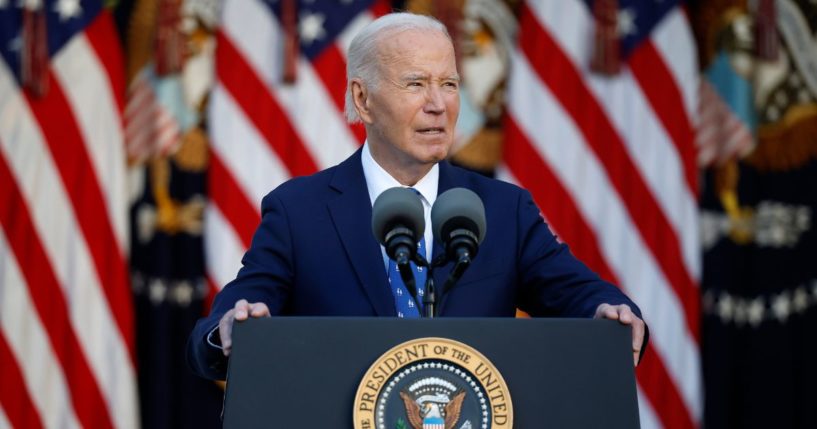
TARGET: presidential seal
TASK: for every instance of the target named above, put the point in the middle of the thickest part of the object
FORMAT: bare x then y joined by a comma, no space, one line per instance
432,383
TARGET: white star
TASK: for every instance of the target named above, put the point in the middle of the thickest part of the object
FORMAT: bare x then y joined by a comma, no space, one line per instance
774,113
311,27
145,223
781,306
157,291
4,3
626,22
15,44
800,300
31,4
183,293
725,307
756,311
68,9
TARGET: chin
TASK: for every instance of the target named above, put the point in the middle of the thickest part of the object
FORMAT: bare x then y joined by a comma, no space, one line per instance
437,151
437,154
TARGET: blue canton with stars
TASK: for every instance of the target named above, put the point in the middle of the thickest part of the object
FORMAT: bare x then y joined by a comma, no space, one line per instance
637,19
320,22
64,19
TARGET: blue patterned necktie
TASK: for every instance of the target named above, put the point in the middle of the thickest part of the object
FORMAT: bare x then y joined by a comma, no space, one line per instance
403,302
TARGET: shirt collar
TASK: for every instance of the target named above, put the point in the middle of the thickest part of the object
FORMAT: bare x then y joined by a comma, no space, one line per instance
378,179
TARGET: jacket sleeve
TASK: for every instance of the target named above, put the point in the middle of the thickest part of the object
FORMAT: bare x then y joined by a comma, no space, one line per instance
553,282
266,276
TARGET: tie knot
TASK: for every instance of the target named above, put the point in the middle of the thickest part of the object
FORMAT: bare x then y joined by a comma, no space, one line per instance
417,193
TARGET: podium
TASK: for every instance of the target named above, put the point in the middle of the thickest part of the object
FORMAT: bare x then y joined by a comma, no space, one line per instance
308,372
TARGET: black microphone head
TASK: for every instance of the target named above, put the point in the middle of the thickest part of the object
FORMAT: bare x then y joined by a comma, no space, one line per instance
397,207
458,208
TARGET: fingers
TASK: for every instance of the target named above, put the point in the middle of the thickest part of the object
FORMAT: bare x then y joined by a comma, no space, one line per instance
259,309
244,310
225,331
241,311
606,311
638,338
625,316
620,312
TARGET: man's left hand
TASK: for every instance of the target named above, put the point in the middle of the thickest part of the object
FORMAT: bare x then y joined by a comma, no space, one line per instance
625,316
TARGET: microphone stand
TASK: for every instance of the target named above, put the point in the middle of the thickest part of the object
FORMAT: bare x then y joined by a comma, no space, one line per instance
430,296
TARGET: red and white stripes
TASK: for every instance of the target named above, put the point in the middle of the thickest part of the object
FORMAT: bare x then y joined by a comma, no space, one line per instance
66,316
722,136
150,129
263,131
611,162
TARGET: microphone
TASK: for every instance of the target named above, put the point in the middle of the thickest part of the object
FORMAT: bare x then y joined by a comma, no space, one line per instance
458,219
397,223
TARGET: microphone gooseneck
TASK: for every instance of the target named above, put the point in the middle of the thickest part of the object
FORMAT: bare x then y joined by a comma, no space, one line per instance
458,219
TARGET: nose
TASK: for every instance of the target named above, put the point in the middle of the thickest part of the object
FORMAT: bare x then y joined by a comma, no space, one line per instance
435,104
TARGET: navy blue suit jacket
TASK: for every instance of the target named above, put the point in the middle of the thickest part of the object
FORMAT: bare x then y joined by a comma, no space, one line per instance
314,254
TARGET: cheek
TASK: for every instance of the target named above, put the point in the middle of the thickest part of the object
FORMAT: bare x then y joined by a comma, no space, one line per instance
453,105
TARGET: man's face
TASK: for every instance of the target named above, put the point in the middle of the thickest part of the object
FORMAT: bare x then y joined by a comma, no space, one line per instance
413,108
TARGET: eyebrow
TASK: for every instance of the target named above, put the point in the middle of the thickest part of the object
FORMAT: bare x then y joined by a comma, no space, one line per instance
423,76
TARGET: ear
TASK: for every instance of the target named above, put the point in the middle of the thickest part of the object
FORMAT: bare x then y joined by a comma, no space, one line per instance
360,97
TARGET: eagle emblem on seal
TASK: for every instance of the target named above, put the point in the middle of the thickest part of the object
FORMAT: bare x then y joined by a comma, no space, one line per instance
432,403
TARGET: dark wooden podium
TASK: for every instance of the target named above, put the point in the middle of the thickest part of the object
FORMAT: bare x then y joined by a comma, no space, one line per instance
288,372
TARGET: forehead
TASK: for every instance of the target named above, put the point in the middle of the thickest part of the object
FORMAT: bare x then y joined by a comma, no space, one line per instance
414,50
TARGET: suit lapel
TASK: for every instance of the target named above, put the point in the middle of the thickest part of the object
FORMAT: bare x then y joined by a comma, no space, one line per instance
351,213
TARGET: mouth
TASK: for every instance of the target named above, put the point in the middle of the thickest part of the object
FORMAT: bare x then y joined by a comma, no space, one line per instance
431,131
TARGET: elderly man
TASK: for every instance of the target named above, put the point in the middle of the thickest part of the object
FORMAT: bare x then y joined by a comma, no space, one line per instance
314,253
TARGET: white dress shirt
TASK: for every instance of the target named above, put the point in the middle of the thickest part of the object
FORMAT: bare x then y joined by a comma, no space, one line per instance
378,180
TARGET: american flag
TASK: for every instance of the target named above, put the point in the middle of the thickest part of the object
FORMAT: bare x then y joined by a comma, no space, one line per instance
263,130
66,317
610,160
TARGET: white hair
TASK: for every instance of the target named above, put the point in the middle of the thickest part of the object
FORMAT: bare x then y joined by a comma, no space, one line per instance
361,58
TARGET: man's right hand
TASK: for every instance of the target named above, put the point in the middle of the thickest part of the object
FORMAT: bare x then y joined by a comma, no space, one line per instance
241,311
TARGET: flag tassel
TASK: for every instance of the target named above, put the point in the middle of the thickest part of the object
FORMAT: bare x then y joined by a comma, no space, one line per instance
766,38
170,41
34,59
289,19
606,56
